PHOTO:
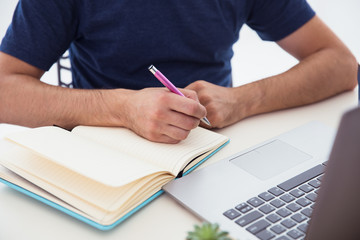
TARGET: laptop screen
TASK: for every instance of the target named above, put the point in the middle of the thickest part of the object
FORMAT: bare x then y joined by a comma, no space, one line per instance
336,213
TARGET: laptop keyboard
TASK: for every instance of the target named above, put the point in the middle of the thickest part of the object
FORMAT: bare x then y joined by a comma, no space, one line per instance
283,212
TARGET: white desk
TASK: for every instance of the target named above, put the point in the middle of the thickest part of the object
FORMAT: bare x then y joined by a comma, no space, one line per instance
22,217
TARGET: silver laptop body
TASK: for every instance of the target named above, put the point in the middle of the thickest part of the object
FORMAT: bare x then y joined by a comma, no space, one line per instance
274,178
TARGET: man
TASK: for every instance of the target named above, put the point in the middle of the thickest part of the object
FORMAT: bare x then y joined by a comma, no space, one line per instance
113,42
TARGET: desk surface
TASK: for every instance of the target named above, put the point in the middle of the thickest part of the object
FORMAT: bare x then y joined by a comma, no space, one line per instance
22,217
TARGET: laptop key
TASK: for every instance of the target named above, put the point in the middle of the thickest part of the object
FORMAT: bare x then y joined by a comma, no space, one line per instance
315,183
265,235
266,209
276,191
283,212
295,234
303,202
287,198
302,178
298,217
278,229
303,227
231,214
283,238
293,207
306,188
255,201
320,178
273,218
243,207
307,212
288,223
311,196
248,218
297,193
258,226
246,209
266,196
277,203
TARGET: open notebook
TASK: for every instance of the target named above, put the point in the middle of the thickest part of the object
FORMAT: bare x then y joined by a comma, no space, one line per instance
99,175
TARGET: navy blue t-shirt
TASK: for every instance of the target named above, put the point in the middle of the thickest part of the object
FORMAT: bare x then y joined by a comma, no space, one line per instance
113,42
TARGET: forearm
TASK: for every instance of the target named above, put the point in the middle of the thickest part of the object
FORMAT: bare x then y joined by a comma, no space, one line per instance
154,113
319,76
26,101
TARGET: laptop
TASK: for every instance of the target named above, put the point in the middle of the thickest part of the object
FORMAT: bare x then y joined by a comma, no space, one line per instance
272,190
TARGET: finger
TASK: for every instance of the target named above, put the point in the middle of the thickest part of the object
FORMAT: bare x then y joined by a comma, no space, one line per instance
182,121
175,133
187,106
166,139
162,133
190,94
166,115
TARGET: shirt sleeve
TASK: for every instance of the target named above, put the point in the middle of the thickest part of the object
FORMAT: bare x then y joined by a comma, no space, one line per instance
41,31
275,19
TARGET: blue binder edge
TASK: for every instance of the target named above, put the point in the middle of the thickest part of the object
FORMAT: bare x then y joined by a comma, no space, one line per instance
88,221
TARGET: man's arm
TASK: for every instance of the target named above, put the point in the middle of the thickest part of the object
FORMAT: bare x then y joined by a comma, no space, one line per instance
326,67
156,114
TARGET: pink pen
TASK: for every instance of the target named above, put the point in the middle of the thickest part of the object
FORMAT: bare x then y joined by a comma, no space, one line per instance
166,82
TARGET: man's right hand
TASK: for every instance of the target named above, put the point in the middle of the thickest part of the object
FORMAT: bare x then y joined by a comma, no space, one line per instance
160,115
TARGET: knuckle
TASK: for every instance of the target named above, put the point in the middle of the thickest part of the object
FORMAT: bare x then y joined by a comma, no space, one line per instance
156,114
161,96
197,86
192,86
152,129
211,109
153,136
183,135
191,124
200,84
192,94
205,98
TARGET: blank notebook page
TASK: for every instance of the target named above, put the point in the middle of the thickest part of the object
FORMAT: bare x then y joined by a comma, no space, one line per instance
164,155
83,156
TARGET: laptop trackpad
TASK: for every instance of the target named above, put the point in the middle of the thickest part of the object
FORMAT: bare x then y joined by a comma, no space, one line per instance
270,159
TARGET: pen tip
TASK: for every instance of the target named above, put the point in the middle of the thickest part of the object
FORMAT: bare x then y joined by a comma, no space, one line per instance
150,67
206,121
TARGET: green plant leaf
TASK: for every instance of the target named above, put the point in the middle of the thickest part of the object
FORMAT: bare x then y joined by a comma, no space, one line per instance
207,231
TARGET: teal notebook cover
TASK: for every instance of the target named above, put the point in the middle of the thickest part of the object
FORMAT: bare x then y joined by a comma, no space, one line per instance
90,222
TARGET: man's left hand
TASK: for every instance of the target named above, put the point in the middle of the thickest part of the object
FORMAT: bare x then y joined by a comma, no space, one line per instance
220,103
